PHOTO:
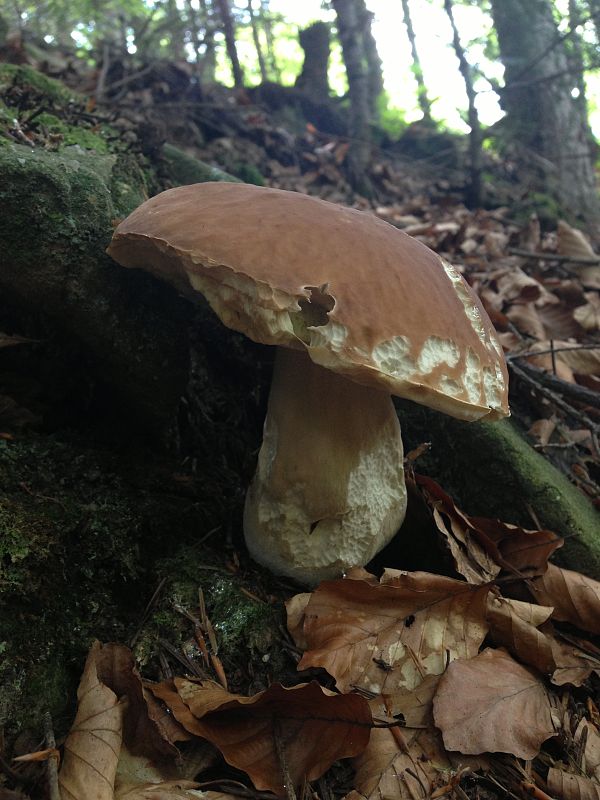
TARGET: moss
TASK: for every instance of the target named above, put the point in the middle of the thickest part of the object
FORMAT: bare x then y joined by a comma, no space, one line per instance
490,470
182,169
248,173
28,78
79,534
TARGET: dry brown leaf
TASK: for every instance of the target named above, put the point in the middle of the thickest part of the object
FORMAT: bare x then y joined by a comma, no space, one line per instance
92,747
573,242
310,726
588,315
295,608
382,637
402,764
575,597
480,546
143,735
574,663
491,704
514,625
588,735
572,787
168,790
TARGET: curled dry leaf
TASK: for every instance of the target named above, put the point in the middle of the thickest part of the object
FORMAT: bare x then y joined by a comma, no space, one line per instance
514,625
385,636
92,747
400,764
491,704
575,597
575,661
481,546
306,726
145,730
588,315
588,735
572,787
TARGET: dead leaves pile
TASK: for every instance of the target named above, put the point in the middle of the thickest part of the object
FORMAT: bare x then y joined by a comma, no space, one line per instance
438,680
542,292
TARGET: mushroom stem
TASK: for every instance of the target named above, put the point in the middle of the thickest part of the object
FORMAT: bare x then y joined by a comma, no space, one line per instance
329,489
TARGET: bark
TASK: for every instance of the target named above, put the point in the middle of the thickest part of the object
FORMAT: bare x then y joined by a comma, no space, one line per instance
209,59
264,15
229,33
359,153
374,67
474,189
543,119
313,79
422,96
256,38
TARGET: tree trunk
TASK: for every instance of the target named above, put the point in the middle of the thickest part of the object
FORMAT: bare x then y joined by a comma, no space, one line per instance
313,80
229,33
209,58
542,115
264,15
474,189
359,153
256,37
422,96
374,68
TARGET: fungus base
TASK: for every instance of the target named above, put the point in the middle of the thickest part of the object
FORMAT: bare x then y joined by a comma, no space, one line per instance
329,488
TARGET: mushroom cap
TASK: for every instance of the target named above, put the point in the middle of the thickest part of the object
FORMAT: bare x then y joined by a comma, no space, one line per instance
365,299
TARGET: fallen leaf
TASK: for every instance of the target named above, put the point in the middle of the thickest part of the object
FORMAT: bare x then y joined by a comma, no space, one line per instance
575,597
588,315
398,765
491,704
386,636
572,787
573,664
588,735
150,737
92,747
305,725
514,625
481,546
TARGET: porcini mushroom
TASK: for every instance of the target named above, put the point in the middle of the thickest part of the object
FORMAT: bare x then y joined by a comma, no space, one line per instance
359,311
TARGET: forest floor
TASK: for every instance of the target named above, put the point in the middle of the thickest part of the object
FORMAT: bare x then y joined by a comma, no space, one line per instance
88,507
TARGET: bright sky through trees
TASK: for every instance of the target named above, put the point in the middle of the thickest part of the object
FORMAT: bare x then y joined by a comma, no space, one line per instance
440,66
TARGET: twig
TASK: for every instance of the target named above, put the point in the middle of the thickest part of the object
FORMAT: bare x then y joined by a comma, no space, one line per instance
573,390
528,353
52,762
564,406
147,610
516,251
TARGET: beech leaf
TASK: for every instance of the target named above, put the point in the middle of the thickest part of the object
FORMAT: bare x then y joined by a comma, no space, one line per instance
514,625
575,597
491,704
481,546
572,787
305,726
390,635
92,747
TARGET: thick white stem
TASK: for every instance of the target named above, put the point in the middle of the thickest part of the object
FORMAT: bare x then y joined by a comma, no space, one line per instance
329,490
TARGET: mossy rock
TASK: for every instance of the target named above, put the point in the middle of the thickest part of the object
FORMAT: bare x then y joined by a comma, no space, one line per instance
29,79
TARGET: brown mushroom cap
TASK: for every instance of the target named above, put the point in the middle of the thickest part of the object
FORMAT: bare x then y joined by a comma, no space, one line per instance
364,299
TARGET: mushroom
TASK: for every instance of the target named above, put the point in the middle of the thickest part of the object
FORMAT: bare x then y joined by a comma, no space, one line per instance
359,311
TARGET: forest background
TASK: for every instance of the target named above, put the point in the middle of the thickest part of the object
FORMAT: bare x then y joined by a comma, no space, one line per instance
130,419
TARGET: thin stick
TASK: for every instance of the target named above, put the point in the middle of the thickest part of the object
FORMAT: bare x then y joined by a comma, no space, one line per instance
515,251
52,762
